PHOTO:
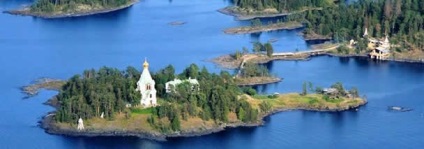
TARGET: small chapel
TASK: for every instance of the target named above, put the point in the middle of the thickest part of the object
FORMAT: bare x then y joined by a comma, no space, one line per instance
146,87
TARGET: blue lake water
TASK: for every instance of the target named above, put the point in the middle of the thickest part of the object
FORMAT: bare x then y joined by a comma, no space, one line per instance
32,48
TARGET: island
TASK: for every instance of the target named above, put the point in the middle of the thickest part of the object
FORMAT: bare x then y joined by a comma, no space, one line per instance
51,9
110,102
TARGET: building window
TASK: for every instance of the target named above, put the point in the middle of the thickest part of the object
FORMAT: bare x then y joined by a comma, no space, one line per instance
150,95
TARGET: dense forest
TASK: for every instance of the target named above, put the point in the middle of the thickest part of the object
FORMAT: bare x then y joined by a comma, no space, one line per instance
402,20
218,95
108,90
72,5
254,70
281,5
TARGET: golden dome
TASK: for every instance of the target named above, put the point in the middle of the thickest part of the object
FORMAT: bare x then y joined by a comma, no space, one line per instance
145,64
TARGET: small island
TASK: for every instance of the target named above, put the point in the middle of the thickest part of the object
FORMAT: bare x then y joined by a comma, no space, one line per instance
71,8
110,102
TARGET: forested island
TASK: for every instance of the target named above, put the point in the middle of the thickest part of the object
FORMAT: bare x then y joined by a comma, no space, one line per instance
107,101
71,8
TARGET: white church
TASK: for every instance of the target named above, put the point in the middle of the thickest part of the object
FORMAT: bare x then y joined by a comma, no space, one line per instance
146,87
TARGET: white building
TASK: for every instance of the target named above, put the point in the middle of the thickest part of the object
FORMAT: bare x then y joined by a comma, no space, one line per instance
170,86
146,87
365,33
80,124
381,49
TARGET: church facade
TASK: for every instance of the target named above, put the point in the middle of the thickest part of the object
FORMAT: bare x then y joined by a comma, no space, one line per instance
146,87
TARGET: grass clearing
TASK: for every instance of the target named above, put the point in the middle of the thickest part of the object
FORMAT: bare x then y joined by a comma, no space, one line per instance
310,101
142,111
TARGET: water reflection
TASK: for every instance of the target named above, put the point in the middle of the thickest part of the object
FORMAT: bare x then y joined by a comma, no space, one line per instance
109,142
344,60
255,36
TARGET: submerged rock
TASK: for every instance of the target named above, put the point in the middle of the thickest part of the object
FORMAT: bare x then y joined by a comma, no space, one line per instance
399,109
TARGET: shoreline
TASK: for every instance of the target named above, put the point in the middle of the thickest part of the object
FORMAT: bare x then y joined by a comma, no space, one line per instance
311,37
263,28
243,17
25,11
42,83
48,125
223,62
262,81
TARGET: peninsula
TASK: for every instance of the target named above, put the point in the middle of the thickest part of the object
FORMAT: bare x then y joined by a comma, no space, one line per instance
252,9
264,28
42,83
109,102
264,53
71,8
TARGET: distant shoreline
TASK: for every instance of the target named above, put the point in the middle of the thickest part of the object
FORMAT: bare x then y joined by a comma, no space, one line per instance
264,28
242,17
231,10
227,62
27,12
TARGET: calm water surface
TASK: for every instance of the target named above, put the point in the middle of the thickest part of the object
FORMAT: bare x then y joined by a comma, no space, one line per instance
32,48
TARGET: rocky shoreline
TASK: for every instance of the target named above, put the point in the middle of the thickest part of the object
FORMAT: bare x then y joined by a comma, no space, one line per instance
27,12
264,28
258,81
226,62
366,56
48,125
232,11
241,17
315,37
42,83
